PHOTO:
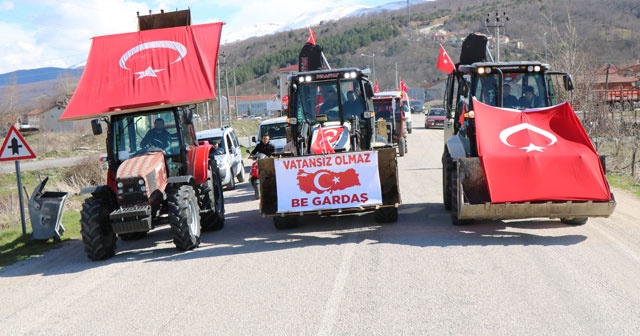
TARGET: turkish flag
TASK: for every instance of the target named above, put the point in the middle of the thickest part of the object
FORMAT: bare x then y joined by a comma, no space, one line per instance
444,61
312,37
146,68
325,180
403,86
538,155
322,142
376,88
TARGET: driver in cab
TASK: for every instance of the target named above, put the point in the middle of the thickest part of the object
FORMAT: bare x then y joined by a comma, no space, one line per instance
158,136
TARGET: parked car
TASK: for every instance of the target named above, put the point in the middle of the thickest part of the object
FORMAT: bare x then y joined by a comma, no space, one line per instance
227,154
435,118
416,106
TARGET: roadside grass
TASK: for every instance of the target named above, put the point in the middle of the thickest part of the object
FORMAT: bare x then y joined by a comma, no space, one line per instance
624,183
15,247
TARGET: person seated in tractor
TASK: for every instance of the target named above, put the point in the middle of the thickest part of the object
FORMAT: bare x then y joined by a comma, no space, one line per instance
353,106
529,99
330,102
265,147
158,136
508,100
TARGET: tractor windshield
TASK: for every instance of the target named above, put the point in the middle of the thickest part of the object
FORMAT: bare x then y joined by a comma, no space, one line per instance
140,133
519,90
327,98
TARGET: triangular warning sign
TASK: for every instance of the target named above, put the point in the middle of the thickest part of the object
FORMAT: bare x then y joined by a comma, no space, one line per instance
14,147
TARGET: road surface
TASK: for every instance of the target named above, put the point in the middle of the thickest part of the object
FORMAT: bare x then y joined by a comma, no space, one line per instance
346,275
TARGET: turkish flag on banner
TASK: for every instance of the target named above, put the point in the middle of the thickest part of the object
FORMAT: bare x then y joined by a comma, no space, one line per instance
145,68
325,180
538,155
444,61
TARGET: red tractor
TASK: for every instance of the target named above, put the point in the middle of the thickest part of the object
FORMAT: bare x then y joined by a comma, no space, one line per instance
152,182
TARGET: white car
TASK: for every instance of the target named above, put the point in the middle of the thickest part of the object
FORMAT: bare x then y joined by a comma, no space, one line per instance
227,155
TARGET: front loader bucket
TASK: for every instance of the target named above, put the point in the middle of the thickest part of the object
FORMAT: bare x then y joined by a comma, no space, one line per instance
474,202
387,171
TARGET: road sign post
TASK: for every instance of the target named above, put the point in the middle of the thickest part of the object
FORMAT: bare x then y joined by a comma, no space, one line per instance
15,148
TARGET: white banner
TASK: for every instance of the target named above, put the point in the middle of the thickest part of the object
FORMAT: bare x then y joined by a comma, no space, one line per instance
334,181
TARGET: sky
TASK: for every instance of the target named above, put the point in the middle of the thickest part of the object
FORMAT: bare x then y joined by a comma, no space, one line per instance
57,33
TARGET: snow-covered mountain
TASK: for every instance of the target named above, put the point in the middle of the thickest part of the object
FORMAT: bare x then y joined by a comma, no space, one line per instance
310,19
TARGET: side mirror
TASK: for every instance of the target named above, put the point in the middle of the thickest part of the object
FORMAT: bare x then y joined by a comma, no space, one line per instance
568,82
96,127
368,89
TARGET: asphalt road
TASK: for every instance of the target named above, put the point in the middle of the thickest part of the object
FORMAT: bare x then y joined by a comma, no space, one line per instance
346,275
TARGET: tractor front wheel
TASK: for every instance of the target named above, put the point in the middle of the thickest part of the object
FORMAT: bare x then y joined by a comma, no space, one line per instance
97,234
184,217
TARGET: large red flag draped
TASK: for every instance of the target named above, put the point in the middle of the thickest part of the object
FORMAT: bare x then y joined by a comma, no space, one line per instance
444,61
312,37
538,155
146,68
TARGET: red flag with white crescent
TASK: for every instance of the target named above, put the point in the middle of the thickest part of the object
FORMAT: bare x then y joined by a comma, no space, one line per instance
146,68
444,61
538,155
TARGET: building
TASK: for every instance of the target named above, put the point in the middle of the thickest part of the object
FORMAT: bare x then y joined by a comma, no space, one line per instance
259,105
47,121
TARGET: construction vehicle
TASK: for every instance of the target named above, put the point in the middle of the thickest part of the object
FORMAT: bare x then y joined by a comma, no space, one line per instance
469,178
393,107
342,164
158,173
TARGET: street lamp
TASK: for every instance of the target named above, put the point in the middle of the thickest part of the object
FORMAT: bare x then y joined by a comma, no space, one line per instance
373,56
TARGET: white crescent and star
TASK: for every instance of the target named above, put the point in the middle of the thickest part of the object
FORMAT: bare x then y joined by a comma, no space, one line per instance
151,72
316,181
507,132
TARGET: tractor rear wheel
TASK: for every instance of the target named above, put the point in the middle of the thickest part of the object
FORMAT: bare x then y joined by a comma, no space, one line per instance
184,217
97,234
211,201
447,163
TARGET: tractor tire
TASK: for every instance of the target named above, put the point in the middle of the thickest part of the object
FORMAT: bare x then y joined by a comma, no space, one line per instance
386,215
574,221
454,198
447,163
402,146
242,176
285,222
132,236
211,201
184,217
97,234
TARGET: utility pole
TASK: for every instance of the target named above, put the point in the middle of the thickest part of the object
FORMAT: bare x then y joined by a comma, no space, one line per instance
219,89
409,18
496,23
235,92
373,74
226,84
